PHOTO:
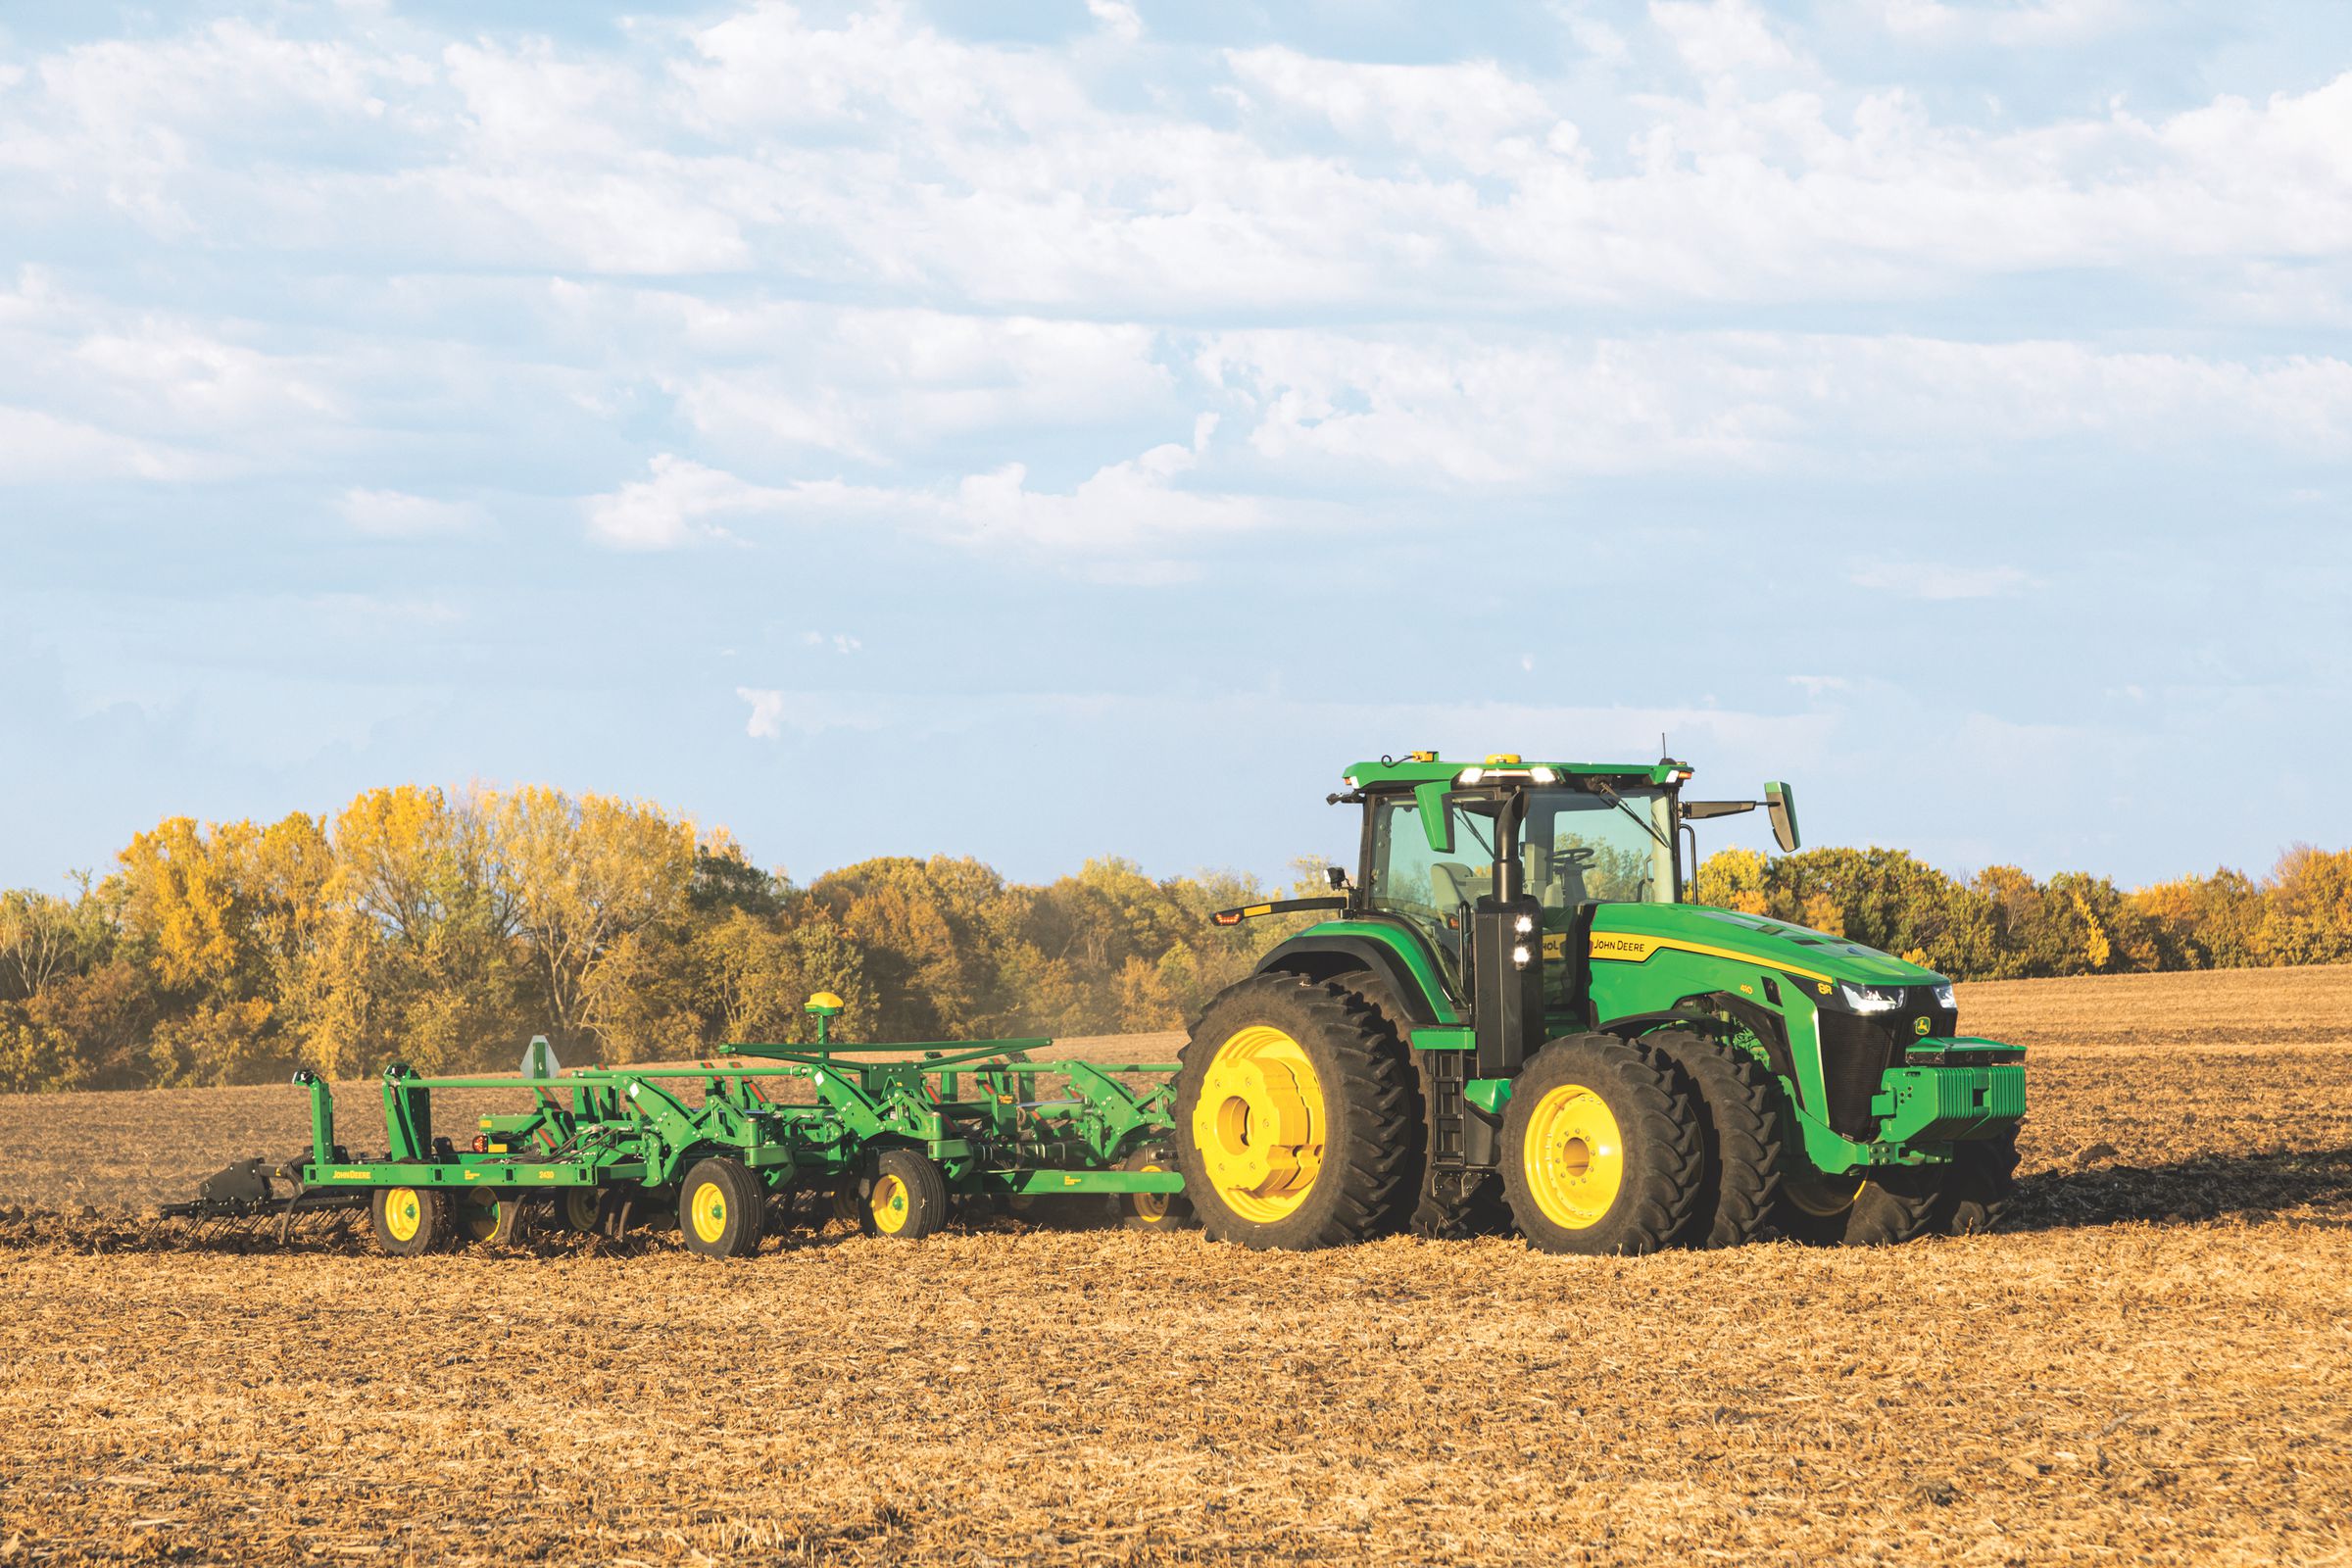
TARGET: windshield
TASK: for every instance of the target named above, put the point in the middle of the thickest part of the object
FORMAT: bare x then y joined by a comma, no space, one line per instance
1583,848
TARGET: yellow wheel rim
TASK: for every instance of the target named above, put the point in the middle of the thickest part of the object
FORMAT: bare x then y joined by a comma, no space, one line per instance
708,1208
1826,1197
1152,1206
1574,1156
403,1213
889,1206
1260,1123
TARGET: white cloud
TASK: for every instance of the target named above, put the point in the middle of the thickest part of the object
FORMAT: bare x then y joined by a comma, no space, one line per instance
1722,39
675,506
2033,24
1495,409
37,447
768,712
394,514
1935,581
1123,520
1118,19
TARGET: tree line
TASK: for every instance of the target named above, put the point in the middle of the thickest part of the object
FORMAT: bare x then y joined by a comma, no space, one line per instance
445,929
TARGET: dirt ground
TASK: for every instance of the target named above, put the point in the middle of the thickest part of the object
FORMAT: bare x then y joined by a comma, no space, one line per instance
2152,1368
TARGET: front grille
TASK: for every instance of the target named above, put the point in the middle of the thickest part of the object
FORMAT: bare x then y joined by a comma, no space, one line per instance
1855,1054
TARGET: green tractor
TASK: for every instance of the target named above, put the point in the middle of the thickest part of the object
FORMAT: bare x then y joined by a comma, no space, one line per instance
1517,1018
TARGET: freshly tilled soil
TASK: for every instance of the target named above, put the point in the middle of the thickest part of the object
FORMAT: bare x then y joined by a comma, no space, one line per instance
2151,1368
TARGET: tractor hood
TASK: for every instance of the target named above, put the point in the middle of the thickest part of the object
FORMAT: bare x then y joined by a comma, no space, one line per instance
1774,944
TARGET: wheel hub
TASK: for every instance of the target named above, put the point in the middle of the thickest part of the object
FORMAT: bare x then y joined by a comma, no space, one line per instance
1259,1123
1574,1156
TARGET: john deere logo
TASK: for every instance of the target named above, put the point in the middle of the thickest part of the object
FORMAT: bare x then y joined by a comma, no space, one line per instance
1919,1026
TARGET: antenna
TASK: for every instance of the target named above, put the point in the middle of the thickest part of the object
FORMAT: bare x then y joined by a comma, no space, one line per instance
1664,756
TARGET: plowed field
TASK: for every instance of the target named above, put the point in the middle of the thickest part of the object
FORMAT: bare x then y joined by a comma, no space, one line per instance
2151,1368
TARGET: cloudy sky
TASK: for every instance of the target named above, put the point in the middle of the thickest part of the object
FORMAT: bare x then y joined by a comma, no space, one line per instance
1050,431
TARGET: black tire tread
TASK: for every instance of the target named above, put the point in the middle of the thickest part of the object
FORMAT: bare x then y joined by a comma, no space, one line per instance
1666,1156
1742,1133
1979,1189
1375,1083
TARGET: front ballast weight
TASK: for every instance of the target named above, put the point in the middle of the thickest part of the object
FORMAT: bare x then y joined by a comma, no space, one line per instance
890,1134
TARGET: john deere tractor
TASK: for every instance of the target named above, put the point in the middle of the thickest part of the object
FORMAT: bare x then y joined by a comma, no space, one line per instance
1516,1017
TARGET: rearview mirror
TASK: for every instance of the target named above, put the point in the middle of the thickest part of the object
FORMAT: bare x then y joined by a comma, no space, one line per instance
1781,803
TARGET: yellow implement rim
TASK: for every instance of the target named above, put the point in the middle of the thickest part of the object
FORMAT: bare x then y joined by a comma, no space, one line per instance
483,1223
403,1213
708,1208
889,1206
1260,1123
1152,1206
1574,1156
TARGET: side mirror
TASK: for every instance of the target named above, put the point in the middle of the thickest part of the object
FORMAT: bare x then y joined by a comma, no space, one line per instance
1337,876
1781,803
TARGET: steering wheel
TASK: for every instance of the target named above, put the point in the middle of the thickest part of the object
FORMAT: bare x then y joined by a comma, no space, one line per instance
1580,857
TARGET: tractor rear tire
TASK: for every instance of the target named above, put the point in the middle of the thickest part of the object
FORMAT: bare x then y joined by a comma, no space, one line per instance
906,1197
1294,1118
1979,1187
722,1208
1601,1153
1740,1131
1153,1212
410,1221
1894,1207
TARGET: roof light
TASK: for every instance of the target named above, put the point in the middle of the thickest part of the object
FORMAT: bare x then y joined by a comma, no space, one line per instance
1470,775
1544,775
1504,760
1351,782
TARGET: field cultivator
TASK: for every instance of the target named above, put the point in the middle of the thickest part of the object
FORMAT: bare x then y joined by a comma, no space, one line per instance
895,1136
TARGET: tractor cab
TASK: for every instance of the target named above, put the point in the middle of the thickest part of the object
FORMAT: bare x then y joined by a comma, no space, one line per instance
1559,839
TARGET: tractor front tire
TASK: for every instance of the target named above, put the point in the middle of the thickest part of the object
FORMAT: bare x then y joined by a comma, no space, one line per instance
1740,1131
1979,1187
1601,1153
722,1208
1886,1210
1294,1118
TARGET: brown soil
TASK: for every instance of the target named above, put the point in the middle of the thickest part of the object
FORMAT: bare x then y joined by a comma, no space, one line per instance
2151,1369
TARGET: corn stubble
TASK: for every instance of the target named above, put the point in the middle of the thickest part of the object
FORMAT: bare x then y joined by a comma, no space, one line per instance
2152,1367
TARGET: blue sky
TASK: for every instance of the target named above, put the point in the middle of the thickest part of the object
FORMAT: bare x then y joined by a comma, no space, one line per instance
1061,429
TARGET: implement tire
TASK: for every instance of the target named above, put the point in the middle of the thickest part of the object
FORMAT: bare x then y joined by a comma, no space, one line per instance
1740,1133
722,1208
1887,1210
409,1220
1979,1187
1601,1153
1294,1121
1152,1211
905,1197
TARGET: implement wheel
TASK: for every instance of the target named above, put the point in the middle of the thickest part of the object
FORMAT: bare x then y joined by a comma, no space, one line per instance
1296,1125
1153,1212
905,1196
1601,1151
581,1209
1741,1130
1854,1210
409,1220
721,1206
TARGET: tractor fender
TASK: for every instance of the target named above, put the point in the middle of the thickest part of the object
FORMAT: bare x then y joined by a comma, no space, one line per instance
1327,957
